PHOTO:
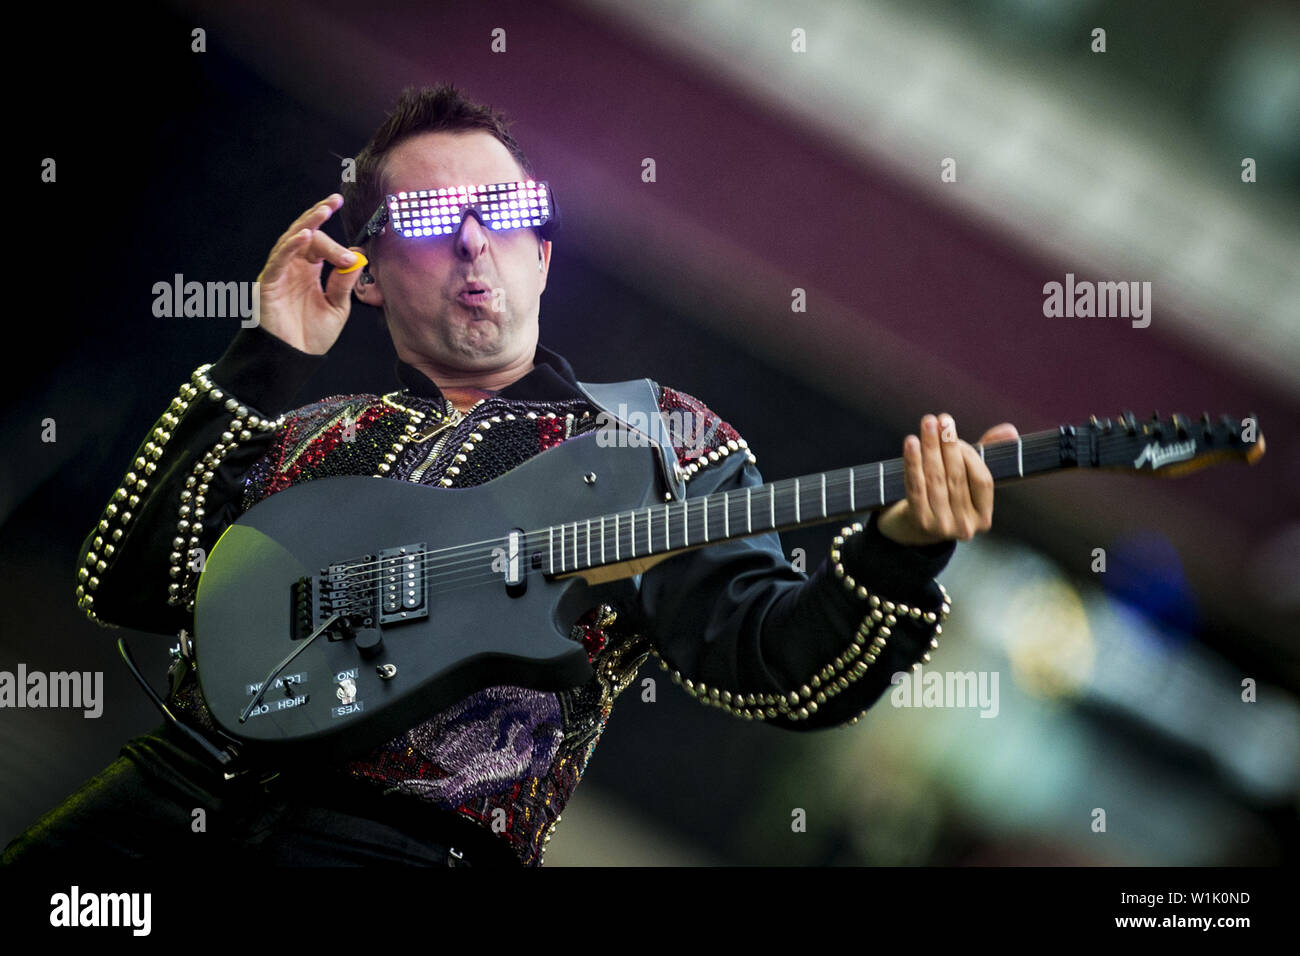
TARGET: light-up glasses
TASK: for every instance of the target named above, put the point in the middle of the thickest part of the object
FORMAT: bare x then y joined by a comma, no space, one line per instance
440,212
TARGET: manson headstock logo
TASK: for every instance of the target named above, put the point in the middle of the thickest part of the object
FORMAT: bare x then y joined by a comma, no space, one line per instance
1159,456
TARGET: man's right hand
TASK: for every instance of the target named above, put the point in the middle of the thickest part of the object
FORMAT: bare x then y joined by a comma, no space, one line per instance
294,307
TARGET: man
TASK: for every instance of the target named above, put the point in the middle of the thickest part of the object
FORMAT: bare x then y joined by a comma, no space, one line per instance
485,781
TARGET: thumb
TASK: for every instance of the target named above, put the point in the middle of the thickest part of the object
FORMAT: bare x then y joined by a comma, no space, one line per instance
341,282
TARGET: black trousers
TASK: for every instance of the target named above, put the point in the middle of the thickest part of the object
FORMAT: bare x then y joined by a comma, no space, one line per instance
160,801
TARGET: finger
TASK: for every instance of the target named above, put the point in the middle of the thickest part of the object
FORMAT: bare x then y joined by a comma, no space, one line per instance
317,215
954,465
283,254
936,482
980,482
314,247
322,248
1003,432
914,482
341,282
312,218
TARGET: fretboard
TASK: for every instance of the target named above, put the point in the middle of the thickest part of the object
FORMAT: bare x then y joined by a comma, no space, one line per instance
662,529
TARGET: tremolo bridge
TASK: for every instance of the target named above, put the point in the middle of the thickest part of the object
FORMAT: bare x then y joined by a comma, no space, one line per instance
366,592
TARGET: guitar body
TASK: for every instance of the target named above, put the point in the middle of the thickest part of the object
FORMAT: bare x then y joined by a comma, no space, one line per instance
459,624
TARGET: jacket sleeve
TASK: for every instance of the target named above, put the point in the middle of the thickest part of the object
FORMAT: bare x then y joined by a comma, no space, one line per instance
139,566
741,629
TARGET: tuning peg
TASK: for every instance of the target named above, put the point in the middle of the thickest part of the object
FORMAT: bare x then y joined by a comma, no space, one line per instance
1129,421
1180,425
1155,416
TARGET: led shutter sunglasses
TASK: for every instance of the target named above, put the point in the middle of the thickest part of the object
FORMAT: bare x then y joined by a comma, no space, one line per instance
439,212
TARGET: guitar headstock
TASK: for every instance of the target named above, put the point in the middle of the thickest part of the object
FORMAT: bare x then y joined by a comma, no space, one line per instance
1170,446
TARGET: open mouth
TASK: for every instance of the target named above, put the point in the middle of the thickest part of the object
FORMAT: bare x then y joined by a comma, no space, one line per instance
475,296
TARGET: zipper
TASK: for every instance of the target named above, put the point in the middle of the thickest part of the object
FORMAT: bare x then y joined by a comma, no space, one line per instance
453,416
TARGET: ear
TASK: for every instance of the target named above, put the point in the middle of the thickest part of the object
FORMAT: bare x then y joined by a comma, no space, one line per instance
544,261
368,292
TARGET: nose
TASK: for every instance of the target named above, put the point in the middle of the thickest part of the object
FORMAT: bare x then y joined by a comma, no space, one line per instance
471,238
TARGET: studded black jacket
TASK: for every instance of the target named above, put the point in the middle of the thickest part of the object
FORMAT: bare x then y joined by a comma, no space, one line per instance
734,624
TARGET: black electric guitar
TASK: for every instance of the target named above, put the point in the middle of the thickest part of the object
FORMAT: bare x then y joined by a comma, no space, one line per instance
338,612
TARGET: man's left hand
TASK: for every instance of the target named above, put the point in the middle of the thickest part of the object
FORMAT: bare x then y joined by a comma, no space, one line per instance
949,488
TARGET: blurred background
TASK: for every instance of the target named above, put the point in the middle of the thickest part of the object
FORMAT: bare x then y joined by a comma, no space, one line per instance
795,146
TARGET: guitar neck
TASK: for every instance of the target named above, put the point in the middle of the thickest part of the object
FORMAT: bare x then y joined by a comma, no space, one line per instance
636,539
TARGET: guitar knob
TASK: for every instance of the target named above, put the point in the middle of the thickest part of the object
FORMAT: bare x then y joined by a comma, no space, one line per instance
369,641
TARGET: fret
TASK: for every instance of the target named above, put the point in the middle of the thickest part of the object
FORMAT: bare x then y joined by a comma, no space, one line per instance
566,555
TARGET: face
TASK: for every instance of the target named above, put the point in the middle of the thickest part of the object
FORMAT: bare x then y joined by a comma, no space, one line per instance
421,283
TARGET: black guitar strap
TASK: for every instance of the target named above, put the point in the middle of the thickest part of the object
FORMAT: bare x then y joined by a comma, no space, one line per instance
638,399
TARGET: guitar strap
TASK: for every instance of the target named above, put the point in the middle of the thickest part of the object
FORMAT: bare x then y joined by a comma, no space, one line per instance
638,400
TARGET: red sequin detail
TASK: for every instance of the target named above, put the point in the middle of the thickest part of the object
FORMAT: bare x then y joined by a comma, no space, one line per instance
550,432
696,429
594,640
317,450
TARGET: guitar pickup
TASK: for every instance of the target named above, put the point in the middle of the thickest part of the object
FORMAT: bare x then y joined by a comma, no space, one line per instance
403,595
